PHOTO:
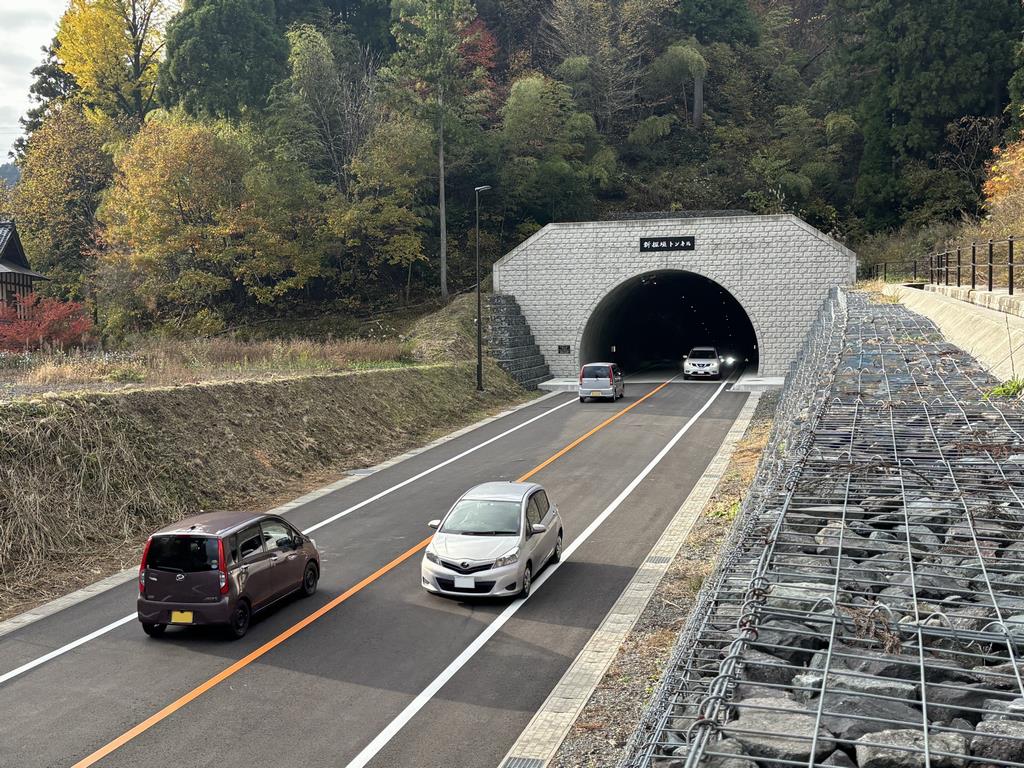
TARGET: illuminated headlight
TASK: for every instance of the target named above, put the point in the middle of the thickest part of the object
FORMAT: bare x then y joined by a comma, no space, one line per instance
510,557
730,360
432,557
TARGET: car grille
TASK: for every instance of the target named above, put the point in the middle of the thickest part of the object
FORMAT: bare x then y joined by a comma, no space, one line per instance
471,569
481,587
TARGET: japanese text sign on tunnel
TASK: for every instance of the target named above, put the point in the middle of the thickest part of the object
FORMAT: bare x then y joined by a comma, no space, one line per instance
682,243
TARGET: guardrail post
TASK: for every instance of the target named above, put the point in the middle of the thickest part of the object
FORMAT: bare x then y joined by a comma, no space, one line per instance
931,269
958,266
945,267
1009,263
991,263
885,271
974,265
915,270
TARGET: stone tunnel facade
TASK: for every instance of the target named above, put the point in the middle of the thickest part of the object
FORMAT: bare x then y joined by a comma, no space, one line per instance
779,268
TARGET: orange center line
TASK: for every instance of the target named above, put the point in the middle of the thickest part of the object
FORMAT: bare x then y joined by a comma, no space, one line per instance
245,661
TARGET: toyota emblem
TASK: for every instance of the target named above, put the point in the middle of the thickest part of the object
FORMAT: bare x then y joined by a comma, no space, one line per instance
464,564
180,577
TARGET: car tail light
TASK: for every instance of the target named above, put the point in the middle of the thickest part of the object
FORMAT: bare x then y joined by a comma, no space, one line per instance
142,566
581,375
222,565
611,377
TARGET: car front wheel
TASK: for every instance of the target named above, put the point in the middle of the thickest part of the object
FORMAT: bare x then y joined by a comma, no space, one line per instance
309,580
527,582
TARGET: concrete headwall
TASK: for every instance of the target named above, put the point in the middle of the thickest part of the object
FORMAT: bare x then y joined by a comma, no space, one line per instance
779,268
995,339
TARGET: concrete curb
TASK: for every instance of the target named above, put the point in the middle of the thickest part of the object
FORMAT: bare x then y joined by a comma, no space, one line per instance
110,582
541,738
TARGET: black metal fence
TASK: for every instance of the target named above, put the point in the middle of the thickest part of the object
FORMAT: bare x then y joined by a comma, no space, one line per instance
985,265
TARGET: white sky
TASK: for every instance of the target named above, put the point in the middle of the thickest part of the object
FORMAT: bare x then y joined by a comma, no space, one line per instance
25,26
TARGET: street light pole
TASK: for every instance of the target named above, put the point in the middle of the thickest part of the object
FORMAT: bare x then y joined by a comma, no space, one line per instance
479,312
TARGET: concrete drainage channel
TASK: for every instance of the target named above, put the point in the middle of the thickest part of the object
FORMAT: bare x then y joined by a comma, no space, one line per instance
869,610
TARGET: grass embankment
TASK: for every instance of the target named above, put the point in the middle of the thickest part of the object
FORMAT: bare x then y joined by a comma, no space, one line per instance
85,477
163,362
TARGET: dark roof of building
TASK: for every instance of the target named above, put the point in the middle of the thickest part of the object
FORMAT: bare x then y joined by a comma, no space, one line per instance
12,253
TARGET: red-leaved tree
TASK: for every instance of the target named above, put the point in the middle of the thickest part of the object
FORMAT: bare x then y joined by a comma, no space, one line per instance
37,321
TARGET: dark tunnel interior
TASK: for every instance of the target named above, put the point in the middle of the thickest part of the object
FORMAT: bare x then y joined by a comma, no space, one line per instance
654,319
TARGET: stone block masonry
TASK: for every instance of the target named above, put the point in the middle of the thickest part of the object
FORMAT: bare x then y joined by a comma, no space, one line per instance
779,268
512,345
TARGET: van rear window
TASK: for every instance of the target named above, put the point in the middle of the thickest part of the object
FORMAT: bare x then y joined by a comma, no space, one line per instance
183,554
595,372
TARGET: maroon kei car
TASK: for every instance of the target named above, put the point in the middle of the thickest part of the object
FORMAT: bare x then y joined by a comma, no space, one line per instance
221,568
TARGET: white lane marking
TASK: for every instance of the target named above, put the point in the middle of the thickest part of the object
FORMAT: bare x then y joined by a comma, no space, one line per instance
421,700
124,620
64,649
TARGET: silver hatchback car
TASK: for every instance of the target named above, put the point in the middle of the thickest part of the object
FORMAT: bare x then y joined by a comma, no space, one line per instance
601,380
493,541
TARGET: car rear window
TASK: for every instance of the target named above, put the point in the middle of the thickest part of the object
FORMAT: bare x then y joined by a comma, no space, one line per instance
595,372
183,554
702,354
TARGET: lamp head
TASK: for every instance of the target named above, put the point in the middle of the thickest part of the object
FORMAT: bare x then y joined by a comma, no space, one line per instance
481,189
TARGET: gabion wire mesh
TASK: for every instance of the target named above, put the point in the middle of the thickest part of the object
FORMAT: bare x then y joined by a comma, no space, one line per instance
869,608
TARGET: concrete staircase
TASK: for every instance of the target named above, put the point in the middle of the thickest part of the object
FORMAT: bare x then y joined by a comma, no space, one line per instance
512,344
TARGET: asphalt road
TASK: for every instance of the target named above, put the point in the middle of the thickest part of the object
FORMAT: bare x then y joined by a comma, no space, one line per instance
320,696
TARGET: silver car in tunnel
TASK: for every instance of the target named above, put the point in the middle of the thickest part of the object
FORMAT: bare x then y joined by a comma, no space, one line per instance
493,541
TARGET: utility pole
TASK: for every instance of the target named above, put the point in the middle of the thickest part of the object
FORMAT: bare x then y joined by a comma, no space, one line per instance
479,304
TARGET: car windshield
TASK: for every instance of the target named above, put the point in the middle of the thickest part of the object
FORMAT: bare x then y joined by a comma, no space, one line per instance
702,354
183,554
595,372
483,517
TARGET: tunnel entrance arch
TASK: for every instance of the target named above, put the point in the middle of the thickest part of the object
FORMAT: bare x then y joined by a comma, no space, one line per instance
652,319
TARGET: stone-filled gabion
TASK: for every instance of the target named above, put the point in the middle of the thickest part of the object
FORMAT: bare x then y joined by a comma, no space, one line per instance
870,609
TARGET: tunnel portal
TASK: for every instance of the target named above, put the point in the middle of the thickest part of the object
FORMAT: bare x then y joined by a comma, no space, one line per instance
654,319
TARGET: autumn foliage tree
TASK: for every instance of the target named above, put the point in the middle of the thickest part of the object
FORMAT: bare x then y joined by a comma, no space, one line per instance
34,321
112,49
1004,190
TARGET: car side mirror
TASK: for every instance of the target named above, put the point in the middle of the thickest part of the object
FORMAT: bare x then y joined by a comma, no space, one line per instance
434,524
685,356
538,528
298,541
285,541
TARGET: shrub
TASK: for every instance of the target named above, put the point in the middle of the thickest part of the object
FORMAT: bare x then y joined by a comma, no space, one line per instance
46,322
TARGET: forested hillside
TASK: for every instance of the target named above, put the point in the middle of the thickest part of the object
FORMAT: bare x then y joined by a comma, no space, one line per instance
188,166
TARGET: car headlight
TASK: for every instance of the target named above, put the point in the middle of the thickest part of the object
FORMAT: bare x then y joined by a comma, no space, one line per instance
510,557
432,557
730,360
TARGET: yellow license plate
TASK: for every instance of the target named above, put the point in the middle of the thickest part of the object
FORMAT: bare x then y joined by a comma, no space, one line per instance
181,617
595,393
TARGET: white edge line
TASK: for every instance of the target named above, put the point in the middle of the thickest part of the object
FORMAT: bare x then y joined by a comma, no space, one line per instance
421,700
124,620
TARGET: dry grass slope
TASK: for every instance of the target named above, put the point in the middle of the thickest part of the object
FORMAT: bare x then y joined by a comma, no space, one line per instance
84,475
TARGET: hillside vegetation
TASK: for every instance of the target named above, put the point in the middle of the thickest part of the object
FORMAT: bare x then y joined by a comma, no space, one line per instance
225,161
